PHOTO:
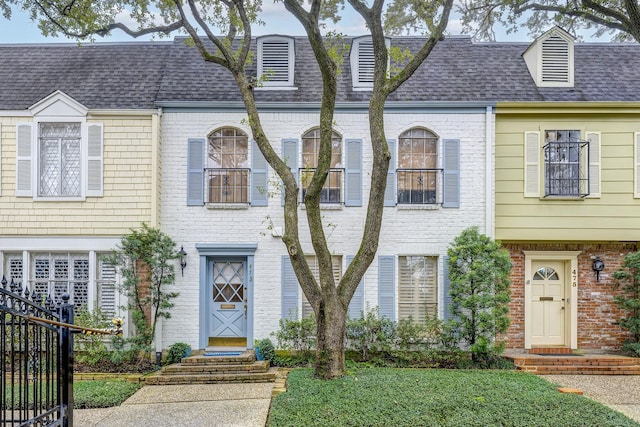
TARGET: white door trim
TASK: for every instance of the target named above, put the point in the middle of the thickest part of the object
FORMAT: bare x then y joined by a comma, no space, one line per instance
570,257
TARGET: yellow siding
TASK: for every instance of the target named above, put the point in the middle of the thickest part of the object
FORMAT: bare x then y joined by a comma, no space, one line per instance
615,216
127,180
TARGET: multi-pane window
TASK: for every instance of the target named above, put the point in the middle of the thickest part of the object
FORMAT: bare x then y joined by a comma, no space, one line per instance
54,274
418,288
336,264
60,159
332,188
566,159
418,174
227,173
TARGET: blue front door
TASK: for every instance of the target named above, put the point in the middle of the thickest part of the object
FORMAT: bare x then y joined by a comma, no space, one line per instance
228,298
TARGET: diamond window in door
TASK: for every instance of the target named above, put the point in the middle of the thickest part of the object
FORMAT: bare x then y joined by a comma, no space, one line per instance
228,280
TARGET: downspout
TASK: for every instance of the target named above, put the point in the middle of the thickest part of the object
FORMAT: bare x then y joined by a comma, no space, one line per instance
489,173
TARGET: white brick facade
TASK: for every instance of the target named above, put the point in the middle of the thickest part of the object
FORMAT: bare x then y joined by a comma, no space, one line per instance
405,231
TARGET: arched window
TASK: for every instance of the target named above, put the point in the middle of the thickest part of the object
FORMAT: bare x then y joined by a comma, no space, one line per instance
332,189
228,166
418,174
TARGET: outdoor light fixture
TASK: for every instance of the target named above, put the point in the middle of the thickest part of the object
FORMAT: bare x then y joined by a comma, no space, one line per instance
183,259
597,266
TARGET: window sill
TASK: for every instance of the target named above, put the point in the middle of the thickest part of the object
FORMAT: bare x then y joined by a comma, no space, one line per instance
276,88
59,199
416,207
228,206
563,198
325,206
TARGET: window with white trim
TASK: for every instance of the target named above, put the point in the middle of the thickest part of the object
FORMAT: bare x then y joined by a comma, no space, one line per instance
419,179
52,274
227,172
566,164
332,189
417,288
276,60
59,160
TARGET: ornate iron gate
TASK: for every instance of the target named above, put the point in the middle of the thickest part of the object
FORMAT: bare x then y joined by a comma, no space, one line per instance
37,367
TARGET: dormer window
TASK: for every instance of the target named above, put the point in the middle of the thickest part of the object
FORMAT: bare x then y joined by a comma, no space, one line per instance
363,63
276,61
550,59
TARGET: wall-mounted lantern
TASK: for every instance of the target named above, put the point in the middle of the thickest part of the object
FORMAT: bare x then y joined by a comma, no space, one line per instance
597,266
183,259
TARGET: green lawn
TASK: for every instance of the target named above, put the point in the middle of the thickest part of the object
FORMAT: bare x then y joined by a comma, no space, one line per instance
413,397
90,394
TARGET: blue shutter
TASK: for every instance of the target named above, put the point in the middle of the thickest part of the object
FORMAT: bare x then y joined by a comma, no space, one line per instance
451,150
259,190
289,290
356,306
290,157
390,197
353,187
387,286
195,172
446,298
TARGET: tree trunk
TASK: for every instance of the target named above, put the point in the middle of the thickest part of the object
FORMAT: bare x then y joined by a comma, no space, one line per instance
331,327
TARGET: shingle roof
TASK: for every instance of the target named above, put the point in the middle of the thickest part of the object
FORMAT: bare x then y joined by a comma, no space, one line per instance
101,75
138,75
456,70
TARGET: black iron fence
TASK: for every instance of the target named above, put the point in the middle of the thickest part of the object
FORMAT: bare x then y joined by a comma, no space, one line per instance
37,347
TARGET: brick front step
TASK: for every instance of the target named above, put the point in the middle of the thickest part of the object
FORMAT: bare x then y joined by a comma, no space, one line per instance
582,370
550,350
201,368
575,365
264,377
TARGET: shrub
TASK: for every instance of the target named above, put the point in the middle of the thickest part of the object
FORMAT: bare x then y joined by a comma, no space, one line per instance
628,280
418,336
479,275
371,333
92,349
296,334
267,350
176,352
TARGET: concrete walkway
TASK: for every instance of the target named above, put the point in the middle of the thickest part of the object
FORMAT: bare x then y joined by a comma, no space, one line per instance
619,392
223,405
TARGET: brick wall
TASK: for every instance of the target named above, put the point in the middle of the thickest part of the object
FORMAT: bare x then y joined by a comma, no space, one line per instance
597,311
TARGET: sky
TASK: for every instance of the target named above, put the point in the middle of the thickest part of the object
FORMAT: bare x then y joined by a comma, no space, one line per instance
20,29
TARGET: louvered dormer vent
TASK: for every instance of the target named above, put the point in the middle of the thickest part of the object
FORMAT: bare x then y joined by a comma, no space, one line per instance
366,63
276,61
555,60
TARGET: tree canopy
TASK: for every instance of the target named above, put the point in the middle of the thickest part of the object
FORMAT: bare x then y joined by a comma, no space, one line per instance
620,18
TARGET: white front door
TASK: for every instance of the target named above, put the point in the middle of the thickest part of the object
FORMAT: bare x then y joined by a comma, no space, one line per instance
548,303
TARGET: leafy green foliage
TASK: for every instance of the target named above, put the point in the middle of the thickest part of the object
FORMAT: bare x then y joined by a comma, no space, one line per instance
411,397
370,333
266,348
176,352
91,349
298,335
620,19
628,281
479,277
145,259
